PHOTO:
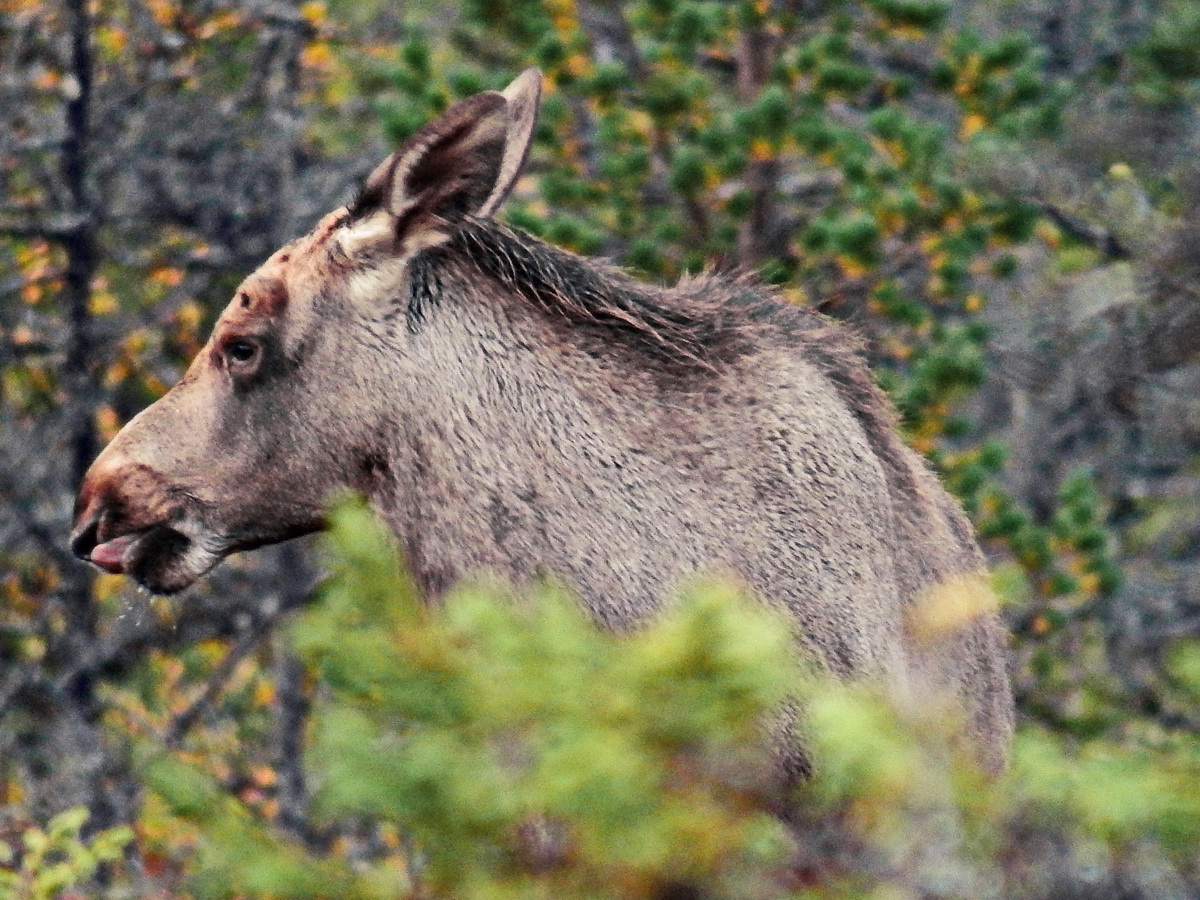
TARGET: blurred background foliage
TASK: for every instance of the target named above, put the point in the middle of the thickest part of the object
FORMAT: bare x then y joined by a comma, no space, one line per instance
1001,196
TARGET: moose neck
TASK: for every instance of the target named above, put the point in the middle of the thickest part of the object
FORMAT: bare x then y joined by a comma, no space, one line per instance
503,410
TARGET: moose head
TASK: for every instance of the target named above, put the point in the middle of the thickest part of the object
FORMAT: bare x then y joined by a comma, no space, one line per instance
285,403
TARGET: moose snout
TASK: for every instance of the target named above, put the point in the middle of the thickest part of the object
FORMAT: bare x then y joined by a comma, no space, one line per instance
98,505
117,500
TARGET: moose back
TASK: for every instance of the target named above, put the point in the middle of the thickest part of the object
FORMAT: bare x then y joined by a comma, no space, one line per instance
510,407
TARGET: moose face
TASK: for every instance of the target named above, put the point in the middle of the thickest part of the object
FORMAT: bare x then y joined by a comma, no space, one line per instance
293,397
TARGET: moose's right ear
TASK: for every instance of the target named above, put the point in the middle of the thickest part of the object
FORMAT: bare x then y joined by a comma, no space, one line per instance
464,163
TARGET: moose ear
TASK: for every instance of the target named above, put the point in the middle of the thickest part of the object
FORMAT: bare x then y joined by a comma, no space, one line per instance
523,96
464,163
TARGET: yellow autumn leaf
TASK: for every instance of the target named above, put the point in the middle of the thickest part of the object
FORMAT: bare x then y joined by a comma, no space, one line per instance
972,123
13,793
33,648
169,276
761,150
263,775
1049,233
562,15
907,32
106,586
117,372
108,423
851,267
111,40
317,56
577,64
102,303
314,12
164,11
264,695
190,315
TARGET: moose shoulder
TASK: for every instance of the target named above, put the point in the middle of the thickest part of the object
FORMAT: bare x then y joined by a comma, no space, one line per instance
514,408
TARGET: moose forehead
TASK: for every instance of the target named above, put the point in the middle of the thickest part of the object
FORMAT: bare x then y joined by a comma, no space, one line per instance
264,294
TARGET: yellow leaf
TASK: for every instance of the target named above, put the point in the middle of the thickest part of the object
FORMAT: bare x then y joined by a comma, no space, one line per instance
107,423
972,124
14,793
111,40
577,64
760,150
317,56
163,11
562,15
264,695
102,303
851,267
907,32
117,372
169,276
33,648
107,586
1049,233
314,12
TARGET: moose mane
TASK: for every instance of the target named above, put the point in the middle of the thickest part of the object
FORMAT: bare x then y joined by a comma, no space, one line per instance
666,326
699,327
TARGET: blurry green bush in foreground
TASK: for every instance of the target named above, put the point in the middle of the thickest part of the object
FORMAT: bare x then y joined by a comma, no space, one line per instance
56,858
499,746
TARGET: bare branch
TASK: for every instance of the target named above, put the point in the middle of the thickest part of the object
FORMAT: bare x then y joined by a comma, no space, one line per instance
1100,238
245,645
52,228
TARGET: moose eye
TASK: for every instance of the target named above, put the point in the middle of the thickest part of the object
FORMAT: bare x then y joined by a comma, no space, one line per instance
241,353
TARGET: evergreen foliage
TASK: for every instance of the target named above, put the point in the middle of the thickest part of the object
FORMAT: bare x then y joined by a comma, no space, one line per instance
524,753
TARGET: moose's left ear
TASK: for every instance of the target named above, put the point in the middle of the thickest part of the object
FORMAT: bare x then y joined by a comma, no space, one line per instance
523,96
464,163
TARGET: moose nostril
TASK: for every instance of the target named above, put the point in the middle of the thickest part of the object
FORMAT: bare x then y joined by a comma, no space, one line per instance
84,541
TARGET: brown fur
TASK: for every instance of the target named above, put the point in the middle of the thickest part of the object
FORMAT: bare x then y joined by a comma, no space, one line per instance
513,408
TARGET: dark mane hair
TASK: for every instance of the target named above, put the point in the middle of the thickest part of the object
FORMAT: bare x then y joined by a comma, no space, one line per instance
700,325
668,326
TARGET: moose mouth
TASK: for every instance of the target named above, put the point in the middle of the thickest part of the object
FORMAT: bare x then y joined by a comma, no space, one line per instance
160,558
110,556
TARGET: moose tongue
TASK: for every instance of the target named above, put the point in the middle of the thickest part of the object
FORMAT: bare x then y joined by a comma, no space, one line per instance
108,556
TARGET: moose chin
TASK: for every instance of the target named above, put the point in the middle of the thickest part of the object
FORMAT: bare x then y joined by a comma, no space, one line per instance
510,407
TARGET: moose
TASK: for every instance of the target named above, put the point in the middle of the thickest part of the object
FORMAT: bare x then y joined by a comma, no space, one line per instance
512,408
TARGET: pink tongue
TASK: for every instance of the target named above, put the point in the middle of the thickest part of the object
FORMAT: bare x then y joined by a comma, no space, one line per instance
108,556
